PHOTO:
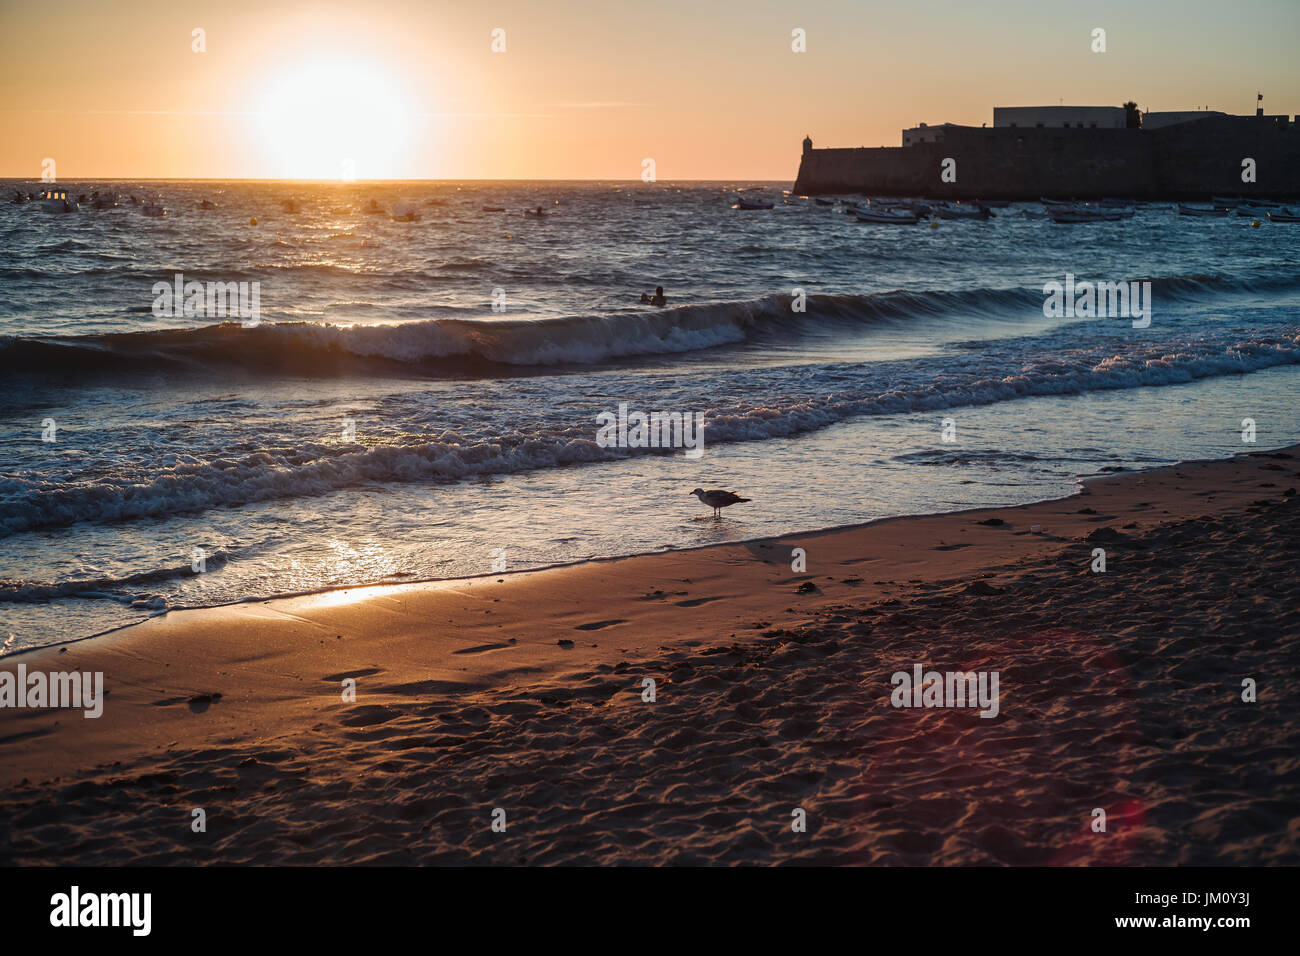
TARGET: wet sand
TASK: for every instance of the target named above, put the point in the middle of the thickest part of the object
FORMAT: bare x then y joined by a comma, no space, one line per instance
1119,691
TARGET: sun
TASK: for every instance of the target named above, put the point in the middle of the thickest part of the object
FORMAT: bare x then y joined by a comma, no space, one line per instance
334,120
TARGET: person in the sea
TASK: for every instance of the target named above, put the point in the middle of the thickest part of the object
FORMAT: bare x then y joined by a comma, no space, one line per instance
656,299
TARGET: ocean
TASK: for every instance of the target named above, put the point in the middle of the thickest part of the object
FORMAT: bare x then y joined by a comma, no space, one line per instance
420,400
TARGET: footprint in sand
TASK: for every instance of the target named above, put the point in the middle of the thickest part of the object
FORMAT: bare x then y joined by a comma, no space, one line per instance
481,648
198,703
201,702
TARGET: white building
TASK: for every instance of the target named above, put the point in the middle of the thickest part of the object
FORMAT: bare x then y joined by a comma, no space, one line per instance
1056,117
924,134
1170,117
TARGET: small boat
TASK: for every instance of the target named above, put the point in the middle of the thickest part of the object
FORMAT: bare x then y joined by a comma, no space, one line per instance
915,206
749,204
1185,210
53,199
103,202
1077,214
1253,212
153,210
1071,217
1058,202
494,208
1110,213
405,212
894,217
824,202
207,204
951,211
1114,203
1283,215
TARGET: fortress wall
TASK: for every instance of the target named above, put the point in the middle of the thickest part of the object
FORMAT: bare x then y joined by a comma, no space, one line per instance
1201,158
1187,161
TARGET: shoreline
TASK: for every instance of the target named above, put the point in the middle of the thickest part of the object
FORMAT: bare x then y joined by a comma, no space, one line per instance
1081,483
195,695
578,562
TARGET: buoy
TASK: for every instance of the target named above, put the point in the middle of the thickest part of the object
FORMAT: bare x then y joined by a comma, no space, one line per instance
1255,224
934,223
253,221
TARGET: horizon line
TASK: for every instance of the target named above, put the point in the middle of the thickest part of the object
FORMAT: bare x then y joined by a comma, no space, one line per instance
353,182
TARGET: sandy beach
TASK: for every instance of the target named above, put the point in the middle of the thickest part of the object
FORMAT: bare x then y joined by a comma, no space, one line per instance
1119,691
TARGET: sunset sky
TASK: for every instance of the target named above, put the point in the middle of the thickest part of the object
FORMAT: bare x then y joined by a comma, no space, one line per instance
585,90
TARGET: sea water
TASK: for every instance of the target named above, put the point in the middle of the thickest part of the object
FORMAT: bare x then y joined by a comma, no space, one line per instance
422,399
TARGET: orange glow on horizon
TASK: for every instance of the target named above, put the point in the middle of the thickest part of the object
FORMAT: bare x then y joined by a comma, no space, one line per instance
580,90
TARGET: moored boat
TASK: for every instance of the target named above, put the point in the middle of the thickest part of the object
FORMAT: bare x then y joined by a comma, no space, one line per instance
405,212
54,199
894,217
950,211
1078,214
1185,210
1110,212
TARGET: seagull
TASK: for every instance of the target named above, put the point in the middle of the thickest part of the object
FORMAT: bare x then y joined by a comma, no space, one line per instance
717,498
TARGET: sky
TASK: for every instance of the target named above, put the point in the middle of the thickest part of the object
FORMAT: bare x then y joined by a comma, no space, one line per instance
707,89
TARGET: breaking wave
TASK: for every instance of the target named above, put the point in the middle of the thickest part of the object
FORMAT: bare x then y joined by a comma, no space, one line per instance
28,503
455,346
